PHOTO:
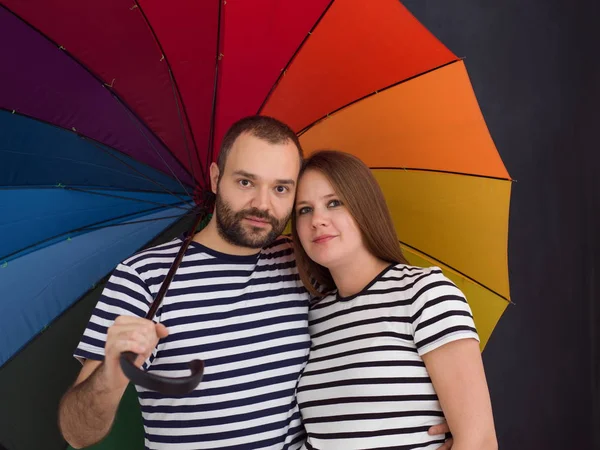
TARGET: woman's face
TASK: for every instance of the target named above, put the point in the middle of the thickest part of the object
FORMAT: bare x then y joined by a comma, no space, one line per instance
326,229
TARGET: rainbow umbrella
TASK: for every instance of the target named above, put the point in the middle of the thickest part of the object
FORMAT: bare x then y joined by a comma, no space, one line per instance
111,112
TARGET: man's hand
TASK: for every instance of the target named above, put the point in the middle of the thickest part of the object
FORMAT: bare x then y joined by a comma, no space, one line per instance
442,428
129,334
88,409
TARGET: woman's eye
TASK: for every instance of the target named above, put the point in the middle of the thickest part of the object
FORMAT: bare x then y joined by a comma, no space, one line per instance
303,210
334,203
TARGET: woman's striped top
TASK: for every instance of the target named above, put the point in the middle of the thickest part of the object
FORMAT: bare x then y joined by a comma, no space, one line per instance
365,385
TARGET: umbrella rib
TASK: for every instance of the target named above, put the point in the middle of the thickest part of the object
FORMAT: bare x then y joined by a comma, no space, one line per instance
191,212
473,280
89,227
83,163
154,148
87,191
87,138
308,127
91,187
99,284
211,133
140,173
178,98
283,71
449,172
104,149
103,83
177,95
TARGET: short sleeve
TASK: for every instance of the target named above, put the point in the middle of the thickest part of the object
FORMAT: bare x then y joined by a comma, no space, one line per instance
439,312
124,294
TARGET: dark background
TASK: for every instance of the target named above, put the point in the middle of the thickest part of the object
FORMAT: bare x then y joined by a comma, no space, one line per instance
535,71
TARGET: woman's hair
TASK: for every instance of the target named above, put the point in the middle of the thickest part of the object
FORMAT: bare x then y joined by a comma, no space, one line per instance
360,193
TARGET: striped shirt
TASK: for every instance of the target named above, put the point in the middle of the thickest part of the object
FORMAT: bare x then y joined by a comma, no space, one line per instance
246,317
365,384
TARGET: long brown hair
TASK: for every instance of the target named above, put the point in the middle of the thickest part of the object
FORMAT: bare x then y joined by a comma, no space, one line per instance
359,191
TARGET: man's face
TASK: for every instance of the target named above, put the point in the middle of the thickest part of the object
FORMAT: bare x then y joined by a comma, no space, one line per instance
255,194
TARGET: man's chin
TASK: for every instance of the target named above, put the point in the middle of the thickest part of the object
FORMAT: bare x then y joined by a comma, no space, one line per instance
259,240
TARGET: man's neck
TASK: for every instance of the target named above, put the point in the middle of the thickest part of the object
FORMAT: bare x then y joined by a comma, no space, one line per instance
209,237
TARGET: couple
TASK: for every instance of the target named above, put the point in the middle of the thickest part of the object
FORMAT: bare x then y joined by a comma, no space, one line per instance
392,359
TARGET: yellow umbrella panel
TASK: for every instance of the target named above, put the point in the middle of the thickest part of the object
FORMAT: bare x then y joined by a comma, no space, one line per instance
445,184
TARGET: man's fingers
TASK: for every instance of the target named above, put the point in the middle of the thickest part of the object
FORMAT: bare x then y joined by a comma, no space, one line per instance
442,428
133,334
125,345
127,320
447,445
161,331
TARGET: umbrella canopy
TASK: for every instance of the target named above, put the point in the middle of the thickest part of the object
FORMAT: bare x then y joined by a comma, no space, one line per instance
111,113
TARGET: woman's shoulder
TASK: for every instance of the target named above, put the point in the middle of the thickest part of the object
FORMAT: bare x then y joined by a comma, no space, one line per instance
416,281
324,300
406,274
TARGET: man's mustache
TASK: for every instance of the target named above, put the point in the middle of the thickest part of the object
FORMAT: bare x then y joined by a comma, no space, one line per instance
259,215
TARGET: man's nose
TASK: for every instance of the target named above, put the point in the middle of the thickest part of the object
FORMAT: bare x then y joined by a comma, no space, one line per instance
261,200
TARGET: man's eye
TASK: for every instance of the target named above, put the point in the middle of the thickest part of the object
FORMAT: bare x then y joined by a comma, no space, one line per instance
244,183
281,189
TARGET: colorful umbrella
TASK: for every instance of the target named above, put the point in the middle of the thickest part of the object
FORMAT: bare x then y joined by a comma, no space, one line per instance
111,113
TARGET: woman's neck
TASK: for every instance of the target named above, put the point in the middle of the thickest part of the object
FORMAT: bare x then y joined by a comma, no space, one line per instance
354,275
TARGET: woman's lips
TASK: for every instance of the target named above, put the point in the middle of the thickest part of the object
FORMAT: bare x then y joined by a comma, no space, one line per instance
323,238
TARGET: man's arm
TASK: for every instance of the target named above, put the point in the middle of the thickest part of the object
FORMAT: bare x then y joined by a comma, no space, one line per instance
87,410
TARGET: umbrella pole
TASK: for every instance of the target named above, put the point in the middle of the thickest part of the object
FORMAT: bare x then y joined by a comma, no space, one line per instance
171,274
166,385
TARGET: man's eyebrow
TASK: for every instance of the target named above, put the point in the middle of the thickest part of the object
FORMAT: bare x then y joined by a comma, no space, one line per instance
288,182
251,176
245,174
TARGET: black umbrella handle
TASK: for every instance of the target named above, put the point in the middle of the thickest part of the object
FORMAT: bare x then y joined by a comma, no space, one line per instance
165,385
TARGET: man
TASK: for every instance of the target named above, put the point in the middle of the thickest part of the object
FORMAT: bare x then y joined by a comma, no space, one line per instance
236,302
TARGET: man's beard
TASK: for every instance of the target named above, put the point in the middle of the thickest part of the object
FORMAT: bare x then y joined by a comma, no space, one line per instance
232,229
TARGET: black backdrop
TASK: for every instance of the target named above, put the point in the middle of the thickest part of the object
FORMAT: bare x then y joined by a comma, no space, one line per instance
536,74
535,71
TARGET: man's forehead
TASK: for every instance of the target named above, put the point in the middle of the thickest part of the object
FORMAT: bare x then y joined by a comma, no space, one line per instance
248,143
262,159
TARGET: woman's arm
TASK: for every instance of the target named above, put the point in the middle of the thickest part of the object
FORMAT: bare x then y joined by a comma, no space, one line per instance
456,371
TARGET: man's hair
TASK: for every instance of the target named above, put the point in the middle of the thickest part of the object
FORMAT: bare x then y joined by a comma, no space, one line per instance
263,127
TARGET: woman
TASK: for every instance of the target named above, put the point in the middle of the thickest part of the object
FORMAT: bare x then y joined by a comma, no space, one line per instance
394,347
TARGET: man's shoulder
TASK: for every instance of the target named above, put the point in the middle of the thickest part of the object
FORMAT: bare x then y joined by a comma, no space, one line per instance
147,255
282,249
282,243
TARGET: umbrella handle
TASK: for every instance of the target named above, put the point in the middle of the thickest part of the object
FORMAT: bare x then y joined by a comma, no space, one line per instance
164,385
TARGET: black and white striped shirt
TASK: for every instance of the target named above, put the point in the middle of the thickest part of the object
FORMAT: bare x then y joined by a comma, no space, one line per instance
365,385
245,316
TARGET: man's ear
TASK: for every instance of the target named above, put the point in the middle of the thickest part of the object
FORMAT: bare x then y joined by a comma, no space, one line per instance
214,177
